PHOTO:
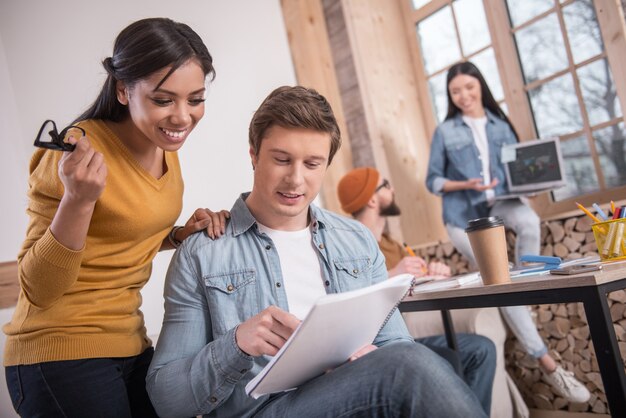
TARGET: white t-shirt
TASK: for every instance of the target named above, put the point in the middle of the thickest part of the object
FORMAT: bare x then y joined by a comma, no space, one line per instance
302,275
479,132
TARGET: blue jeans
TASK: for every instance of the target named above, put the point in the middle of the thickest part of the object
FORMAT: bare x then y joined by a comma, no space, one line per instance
101,387
401,379
477,355
523,220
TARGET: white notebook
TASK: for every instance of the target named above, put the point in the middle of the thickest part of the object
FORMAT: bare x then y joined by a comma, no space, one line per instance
448,282
335,328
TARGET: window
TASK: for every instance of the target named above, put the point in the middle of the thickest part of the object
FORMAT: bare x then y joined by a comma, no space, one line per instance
571,90
549,67
457,31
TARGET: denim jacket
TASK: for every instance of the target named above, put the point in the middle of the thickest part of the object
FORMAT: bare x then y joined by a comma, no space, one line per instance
454,156
214,285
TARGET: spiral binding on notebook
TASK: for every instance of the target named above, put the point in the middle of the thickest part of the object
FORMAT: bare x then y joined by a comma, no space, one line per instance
407,293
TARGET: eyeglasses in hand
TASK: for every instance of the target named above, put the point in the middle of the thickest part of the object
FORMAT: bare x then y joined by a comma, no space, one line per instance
49,138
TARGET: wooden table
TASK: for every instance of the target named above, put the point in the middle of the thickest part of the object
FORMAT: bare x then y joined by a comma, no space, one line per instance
589,288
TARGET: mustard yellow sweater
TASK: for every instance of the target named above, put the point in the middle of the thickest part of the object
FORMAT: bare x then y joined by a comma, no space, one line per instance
392,250
85,304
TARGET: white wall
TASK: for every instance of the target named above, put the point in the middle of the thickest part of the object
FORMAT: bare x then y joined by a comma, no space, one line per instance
50,54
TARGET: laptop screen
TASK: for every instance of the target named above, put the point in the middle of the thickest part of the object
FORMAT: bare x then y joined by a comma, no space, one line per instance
534,165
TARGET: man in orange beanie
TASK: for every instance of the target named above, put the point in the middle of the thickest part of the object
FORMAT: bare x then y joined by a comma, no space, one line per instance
370,200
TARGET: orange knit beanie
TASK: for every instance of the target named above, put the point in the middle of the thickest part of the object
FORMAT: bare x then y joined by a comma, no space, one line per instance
356,188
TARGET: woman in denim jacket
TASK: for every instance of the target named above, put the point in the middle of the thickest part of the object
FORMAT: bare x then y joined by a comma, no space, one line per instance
465,168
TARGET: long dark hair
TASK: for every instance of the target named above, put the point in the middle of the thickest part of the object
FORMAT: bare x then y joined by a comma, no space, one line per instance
489,102
143,47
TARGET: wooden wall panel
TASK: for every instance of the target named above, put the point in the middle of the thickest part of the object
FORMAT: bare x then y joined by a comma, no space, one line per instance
313,62
348,84
362,47
614,36
396,125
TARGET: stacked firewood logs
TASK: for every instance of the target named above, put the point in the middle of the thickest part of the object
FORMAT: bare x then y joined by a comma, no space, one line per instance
563,326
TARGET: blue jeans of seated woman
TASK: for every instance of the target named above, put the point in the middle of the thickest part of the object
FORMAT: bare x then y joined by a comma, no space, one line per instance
101,387
525,222
401,379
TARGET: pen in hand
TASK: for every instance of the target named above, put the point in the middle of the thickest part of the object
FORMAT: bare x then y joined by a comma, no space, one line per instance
412,254
409,250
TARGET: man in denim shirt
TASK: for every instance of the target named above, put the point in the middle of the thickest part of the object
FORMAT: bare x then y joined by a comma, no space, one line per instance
232,303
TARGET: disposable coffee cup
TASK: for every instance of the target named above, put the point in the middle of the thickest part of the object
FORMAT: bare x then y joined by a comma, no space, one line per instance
488,241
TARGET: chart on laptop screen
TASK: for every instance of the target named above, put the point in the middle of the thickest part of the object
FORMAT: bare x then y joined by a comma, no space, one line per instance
534,165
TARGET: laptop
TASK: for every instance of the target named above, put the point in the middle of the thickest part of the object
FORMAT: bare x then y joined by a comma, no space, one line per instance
532,167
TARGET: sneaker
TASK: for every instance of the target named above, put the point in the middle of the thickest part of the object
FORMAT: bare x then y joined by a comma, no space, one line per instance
566,385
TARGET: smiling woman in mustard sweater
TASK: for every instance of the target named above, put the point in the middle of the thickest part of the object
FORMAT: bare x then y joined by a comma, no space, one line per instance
77,345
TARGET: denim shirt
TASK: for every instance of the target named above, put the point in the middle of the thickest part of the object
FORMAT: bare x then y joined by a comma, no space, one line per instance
214,285
454,156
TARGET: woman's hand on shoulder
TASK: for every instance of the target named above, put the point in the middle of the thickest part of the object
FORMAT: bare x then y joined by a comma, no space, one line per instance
203,218
83,172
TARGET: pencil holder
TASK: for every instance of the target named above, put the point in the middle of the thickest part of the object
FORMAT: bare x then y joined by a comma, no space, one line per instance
611,239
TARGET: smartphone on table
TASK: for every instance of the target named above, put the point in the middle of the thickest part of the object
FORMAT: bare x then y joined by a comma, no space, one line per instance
581,268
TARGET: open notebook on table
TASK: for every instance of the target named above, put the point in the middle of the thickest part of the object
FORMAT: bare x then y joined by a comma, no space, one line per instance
441,283
335,328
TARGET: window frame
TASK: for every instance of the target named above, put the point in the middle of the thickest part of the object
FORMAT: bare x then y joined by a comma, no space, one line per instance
609,14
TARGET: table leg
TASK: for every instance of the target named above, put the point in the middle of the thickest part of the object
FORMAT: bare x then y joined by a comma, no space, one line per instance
448,327
607,351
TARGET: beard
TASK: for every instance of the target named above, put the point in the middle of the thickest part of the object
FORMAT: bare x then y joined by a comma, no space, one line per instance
392,209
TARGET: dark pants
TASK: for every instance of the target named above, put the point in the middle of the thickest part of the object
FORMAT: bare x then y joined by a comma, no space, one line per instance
477,355
100,387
